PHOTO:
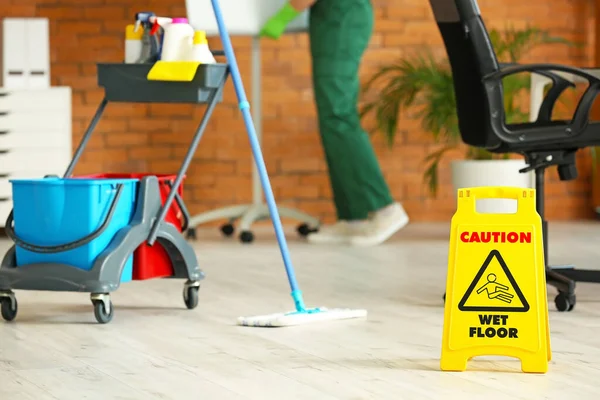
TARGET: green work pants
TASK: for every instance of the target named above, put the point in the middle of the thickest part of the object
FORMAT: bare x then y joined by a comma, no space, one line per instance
340,31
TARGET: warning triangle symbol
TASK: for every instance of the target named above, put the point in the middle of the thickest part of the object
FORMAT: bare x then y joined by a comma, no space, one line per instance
494,289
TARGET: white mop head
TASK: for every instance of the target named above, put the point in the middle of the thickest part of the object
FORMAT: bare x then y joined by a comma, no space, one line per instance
300,317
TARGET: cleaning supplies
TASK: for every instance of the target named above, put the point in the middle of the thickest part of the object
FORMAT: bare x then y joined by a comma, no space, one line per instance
133,44
200,51
177,40
157,29
150,45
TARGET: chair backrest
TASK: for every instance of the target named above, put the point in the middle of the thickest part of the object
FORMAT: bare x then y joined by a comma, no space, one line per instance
471,56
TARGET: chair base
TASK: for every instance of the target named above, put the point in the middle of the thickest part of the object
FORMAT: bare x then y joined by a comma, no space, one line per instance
565,299
564,278
578,275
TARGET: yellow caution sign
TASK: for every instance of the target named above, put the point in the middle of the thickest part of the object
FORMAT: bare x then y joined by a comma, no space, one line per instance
496,302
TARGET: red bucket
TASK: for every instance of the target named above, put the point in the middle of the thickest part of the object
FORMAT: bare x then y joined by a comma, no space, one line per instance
153,261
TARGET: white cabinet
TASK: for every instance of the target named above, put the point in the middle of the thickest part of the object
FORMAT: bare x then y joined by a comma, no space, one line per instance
35,137
25,53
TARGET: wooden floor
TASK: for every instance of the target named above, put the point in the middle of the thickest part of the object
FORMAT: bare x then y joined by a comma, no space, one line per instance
156,349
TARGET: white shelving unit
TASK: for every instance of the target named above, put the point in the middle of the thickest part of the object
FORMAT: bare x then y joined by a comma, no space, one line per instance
35,118
245,18
35,137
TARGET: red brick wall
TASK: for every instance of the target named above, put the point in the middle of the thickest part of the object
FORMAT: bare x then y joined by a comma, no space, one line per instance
142,138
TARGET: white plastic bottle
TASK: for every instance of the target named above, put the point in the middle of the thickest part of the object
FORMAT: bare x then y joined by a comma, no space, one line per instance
133,43
200,50
177,42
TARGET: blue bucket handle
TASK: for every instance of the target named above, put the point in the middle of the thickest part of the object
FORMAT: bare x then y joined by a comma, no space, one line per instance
10,232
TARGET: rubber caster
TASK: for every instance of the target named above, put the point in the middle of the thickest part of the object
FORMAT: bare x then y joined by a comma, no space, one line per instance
9,307
564,302
191,234
190,294
246,237
305,230
444,297
227,229
103,308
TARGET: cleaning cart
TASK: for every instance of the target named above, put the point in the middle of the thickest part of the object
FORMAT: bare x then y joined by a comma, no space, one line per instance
79,234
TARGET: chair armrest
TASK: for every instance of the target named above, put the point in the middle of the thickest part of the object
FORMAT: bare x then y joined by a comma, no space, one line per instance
539,69
582,112
547,74
559,85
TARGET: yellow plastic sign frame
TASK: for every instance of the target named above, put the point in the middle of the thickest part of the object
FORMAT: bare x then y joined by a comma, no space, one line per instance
496,297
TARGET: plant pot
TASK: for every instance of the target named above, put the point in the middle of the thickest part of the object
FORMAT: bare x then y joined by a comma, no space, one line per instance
477,173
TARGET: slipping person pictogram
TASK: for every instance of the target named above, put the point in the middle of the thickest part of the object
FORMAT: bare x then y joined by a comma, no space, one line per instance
486,294
499,291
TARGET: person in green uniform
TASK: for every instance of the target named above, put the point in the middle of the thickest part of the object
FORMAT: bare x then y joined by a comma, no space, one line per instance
339,32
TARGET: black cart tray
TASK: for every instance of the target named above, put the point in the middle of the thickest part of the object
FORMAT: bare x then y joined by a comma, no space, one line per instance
128,83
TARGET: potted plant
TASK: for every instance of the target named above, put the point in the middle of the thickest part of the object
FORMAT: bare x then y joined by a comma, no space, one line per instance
424,84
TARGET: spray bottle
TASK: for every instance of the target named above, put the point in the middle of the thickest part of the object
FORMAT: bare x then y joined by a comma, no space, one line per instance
150,45
158,24
133,44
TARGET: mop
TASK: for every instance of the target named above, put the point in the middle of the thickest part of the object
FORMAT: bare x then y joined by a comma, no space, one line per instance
302,314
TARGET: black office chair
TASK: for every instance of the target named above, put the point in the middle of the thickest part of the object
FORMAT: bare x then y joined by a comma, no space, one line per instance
544,143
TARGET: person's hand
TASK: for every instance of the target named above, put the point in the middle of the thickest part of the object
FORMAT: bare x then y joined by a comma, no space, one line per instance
274,28
276,25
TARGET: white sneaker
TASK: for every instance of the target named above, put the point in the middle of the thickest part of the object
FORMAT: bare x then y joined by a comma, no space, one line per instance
338,233
381,226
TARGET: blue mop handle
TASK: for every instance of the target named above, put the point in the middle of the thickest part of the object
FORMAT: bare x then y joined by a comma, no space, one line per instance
258,158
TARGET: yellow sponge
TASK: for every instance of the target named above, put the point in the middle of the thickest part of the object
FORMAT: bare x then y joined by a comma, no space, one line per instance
180,71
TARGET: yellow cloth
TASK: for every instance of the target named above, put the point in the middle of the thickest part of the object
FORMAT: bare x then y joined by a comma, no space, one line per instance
179,71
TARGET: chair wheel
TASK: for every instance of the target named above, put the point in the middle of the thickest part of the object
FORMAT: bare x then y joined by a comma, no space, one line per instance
8,313
190,296
563,302
246,237
102,316
227,229
191,234
305,229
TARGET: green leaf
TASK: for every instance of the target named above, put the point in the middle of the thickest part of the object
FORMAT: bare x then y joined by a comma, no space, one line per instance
431,175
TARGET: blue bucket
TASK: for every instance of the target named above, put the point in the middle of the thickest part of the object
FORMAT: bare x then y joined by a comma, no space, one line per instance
58,211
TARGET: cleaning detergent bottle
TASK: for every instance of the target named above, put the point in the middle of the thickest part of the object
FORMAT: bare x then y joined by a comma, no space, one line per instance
150,46
200,51
133,44
177,40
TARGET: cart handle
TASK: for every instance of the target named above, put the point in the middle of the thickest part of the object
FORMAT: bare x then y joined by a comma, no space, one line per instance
67,246
184,211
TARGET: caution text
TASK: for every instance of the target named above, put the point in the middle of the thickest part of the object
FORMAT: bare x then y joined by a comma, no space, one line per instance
493,326
495,237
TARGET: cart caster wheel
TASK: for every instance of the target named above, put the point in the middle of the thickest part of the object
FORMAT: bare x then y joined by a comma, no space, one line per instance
444,297
190,296
305,230
247,237
191,234
563,302
227,229
9,312
100,313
